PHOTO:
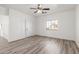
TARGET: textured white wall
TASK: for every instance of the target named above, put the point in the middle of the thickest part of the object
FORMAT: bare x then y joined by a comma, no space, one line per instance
21,25
66,25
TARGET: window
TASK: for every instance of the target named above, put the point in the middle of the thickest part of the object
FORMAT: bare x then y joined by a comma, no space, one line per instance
52,25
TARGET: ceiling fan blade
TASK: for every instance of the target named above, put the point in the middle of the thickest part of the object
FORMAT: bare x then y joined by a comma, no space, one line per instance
33,8
46,8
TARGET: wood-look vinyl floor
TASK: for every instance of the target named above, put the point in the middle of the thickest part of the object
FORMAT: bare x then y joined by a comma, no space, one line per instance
41,45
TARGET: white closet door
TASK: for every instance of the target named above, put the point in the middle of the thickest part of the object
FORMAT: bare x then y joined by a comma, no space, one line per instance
21,25
17,25
29,28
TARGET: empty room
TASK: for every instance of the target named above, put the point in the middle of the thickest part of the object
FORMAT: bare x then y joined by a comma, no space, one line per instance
39,29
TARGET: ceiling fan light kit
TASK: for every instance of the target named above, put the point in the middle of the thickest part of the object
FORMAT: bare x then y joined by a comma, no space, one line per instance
40,9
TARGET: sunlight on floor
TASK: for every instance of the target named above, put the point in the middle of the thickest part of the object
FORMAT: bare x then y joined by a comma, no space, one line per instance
51,47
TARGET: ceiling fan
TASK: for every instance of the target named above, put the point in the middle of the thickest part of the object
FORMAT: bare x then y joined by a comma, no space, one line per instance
40,9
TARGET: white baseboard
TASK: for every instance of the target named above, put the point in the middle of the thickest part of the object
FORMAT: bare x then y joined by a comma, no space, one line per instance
57,37
20,38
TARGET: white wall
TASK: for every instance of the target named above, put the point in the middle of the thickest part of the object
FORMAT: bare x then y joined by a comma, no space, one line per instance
4,29
3,11
66,25
77,25
4,23
21,25
4,20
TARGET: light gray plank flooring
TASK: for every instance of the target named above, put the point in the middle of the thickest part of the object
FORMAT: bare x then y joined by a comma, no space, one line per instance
41,45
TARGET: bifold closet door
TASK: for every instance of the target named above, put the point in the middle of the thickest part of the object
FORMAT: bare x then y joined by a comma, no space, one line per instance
17,25
29,25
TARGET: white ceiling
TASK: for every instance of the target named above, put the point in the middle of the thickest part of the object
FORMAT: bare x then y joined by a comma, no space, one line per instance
26,7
